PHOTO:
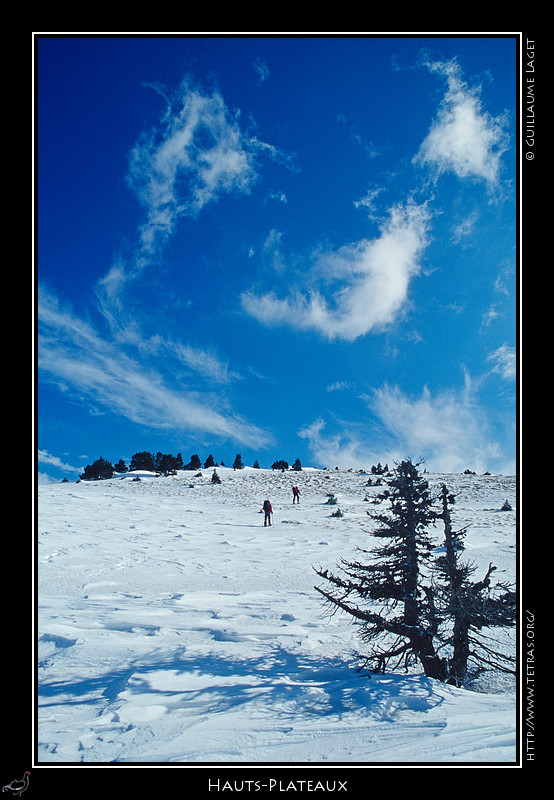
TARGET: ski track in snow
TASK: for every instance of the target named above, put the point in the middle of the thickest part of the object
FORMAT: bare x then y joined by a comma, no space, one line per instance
174,627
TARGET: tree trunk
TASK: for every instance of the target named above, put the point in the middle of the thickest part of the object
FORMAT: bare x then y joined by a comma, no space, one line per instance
460,642
433,665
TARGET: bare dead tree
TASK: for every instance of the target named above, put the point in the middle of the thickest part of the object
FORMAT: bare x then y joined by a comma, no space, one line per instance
471,607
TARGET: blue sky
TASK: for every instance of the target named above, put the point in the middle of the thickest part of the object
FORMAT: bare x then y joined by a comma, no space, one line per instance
283,247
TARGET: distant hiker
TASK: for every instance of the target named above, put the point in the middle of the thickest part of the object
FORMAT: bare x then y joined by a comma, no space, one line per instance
268,511
295,494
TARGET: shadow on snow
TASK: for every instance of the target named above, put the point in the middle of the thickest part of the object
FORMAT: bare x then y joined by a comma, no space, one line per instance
285,684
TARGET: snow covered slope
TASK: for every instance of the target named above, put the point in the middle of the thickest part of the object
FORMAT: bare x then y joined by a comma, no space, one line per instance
174,627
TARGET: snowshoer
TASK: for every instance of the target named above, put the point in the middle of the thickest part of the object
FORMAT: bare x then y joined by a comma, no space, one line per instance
295,494
268,511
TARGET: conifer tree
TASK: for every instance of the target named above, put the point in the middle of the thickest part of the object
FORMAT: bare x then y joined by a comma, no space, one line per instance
143,460
97,471
195,462
166,463
403,626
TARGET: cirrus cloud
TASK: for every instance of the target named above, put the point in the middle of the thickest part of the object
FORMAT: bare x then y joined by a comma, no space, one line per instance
504,360
447,429
373,275
188,161
84,366
194,155
463,138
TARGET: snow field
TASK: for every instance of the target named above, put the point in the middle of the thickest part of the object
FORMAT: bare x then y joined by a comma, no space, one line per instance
174,627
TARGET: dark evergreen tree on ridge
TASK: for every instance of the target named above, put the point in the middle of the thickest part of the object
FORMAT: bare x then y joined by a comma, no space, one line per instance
194,462
143,460
168,464
99,470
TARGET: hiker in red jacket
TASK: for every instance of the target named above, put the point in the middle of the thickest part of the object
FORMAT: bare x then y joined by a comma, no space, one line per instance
268,511
295,494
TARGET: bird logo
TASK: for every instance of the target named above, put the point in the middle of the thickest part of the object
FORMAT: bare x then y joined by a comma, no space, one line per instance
17,787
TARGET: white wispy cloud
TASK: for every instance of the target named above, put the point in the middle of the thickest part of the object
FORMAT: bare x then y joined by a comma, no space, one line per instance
199,360
448,430
261,69
373,278
195,154
368,202
465,228
203,362
504,362
463,138
97,372
44,457
338,386
349,449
